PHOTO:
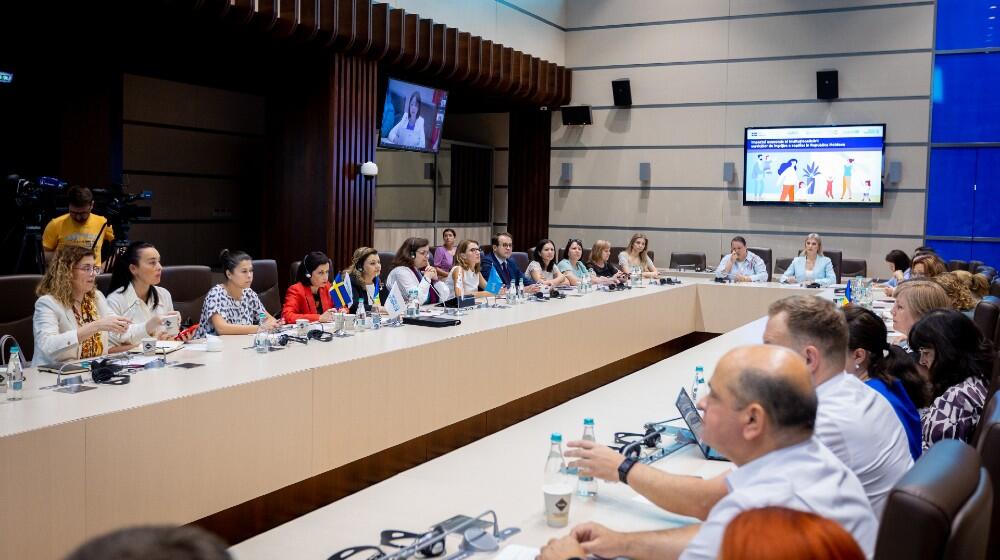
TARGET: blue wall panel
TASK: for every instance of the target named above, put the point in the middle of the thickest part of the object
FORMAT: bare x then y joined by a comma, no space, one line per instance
966,107
967,24
950,204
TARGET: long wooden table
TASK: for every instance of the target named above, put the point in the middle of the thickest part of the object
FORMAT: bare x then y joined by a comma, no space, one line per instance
176,445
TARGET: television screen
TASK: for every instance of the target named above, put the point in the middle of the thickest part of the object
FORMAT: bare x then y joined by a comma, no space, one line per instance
814,165
412,117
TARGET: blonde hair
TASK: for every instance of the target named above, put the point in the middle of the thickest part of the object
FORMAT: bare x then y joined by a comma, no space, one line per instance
980,285
460,256
599,246
932,265
58,279
923,296
642,254
957,290
819,242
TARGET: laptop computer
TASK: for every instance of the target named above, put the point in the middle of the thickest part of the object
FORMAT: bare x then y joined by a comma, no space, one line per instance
693,420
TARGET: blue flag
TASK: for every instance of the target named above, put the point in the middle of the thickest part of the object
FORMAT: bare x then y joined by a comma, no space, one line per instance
494,284
340,292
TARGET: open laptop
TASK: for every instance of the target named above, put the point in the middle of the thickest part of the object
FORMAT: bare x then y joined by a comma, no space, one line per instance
693,420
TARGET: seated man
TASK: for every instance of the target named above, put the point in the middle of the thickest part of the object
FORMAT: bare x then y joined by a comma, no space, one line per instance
854,421
760,413
507,269
741,265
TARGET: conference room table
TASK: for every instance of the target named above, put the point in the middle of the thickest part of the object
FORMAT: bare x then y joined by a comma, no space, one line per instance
176,445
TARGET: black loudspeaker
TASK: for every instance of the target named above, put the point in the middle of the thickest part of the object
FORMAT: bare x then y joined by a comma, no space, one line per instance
622,91
826,84
576,115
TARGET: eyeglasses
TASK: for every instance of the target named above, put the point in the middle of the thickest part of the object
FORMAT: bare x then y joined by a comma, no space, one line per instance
507,245
424,252
475,250
88,269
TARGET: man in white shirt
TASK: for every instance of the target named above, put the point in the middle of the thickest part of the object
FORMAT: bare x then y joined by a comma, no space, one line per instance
854,421
760,413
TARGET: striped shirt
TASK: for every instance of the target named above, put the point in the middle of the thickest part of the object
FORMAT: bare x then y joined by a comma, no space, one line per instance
752,266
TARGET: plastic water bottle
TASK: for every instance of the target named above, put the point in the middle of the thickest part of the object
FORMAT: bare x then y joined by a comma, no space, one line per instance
557,485
520,290
412,305
586,486
16,374
699,380
512,293
261,340
360,317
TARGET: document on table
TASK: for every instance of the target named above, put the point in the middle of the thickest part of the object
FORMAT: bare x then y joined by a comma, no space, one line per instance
518,552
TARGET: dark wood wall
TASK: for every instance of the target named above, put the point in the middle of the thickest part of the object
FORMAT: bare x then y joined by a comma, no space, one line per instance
528,163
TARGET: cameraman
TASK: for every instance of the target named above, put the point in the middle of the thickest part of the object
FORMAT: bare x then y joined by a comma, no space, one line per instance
79,227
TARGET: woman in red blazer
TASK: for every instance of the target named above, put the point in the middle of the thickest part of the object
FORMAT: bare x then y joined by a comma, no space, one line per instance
309,297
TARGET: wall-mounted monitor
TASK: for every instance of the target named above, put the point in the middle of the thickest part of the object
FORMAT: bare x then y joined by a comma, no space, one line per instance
412,117
830,165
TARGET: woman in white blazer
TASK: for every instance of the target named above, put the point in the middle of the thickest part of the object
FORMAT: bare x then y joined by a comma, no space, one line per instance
72,319
409,131
811,266
134,293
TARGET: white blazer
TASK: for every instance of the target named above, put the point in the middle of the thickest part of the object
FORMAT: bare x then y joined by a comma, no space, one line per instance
54,326
128,305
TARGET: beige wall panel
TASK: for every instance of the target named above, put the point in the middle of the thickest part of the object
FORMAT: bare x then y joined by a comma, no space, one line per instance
554,11
389,239
868,30
530,35
585,13
859,76
186,243
192,198
742,7
443,203
159,101
182,151
636,45
262,431
404,203
694,83
636,208
674,126
500,205
661,242
500,162
700,167
399,167
906,121
42,497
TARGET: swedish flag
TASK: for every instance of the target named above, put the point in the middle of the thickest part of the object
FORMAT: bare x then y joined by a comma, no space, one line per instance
340,291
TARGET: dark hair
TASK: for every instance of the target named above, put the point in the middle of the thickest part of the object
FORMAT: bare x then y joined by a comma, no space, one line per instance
447,229
886,362
121,276
361,254
231,259
924,249
789,407
309,264
153,543
900,261
496,238
79,196
536,255
816,320
408,250
738,238
960,350
570,244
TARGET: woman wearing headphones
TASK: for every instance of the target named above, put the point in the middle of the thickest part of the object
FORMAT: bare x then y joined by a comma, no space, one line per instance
309,297
366,286
412,269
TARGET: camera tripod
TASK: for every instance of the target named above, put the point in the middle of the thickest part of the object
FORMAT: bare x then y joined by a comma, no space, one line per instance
31,252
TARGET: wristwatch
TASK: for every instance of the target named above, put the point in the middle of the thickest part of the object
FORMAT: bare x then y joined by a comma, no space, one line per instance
624,468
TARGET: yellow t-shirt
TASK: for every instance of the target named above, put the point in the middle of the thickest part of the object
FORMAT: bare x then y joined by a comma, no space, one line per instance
64,230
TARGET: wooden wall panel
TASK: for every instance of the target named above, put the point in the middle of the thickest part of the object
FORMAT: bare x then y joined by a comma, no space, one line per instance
380,31
397,36
411,41
527,178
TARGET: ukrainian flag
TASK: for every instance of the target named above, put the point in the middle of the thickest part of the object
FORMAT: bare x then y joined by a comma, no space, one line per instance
340,291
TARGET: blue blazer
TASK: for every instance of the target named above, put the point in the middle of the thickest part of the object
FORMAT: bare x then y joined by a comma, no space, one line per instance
489,260
822,271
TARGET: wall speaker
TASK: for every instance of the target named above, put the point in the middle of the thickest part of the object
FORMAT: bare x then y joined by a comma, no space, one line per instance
622,92
573,115
645,171
566,175
728,171
895,172
827,86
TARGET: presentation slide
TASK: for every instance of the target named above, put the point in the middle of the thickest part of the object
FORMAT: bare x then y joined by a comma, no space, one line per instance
412,117
814,165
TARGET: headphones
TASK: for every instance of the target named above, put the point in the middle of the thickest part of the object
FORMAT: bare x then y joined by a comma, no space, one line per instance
103,372
303,263
390,537
360,265
413,249
632,443
320,335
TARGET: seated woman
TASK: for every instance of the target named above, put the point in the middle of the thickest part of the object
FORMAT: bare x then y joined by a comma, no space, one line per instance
811,265
366,287
465,278
635,255
600,263
232,307
957,360
899,268
72,319
572,264
412,269
309,297
887,369
444,256
914,299
927,265
741,265
542,268
134,293
958,293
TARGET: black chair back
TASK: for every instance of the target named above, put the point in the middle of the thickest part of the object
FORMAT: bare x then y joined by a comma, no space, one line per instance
767,256
697,260
781,265
837,258
987,441
188,286
956,264
265,283
986,316
385,258
17,309
854,267
521,258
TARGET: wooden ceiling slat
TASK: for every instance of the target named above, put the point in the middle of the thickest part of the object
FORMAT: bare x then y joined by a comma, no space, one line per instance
426,51
437,48
362,27
475,59
343,38
411,41
450,53
397,36
506,54
380,31
307,19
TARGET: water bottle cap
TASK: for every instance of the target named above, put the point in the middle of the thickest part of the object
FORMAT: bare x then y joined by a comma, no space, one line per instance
588,421
699,368
556,437
15,348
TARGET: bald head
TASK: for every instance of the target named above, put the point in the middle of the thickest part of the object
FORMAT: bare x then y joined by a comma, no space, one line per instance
773,377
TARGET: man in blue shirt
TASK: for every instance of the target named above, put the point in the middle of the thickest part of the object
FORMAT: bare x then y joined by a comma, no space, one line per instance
507,269
741,265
